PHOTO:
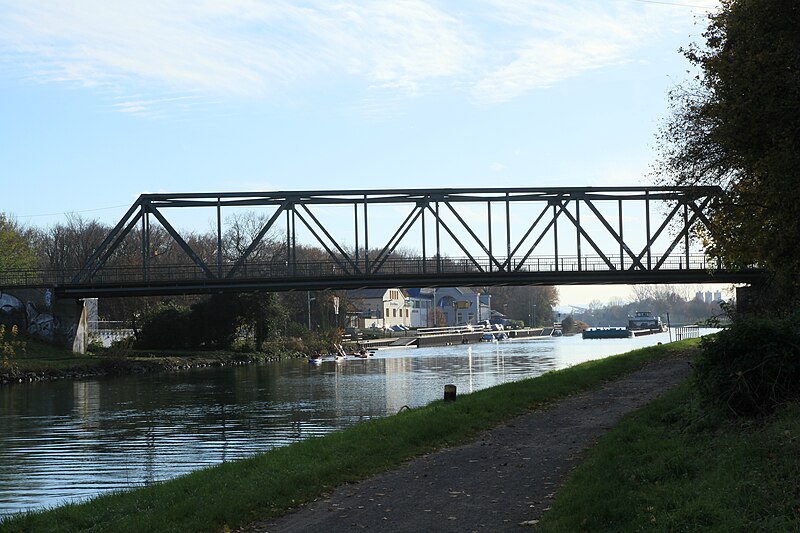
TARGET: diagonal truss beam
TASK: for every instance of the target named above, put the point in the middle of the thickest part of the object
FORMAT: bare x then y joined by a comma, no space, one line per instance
337,259
182,243
617,237
684,232
472,234
397,238
253,245
109,245
542,235
444,225
586,236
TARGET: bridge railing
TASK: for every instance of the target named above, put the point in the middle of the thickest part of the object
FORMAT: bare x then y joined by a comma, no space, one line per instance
327,269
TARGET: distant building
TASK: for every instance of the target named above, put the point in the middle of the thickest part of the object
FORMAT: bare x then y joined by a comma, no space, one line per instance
421,305
379,308
460,305
708,297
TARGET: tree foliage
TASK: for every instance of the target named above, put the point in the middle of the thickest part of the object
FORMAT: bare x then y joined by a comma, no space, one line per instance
531,304
737,125
752,367
15,249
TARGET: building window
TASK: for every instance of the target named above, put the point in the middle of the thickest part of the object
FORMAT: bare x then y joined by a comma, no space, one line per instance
394,311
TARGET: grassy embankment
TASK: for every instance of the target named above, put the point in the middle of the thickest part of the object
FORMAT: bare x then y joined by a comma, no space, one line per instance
268,484
676,465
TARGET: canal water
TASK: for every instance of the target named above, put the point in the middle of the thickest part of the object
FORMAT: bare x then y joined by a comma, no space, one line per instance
66,441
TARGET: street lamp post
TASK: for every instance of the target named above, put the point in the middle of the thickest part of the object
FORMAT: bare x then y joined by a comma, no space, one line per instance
309,298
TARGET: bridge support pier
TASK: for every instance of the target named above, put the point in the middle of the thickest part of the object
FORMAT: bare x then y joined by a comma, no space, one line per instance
41,316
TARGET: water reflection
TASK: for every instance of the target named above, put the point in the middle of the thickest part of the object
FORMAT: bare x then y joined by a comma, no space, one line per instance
64,441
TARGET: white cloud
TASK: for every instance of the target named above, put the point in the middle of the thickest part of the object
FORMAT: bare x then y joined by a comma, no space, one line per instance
558,40
236,47
501,49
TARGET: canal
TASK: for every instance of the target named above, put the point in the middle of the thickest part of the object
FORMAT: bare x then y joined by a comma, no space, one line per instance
66,441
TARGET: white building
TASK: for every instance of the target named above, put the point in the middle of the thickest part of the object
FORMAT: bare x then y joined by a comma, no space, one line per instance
421,305
380,308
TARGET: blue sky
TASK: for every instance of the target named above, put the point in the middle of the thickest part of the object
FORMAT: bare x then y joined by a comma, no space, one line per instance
102,100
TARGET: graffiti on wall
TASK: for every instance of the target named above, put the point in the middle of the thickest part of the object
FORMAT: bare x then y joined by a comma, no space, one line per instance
38,321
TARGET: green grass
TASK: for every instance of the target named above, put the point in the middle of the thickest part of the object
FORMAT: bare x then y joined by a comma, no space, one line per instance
266,485
41,358
678,466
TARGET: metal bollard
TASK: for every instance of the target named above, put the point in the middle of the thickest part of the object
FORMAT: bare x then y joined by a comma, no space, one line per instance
449,393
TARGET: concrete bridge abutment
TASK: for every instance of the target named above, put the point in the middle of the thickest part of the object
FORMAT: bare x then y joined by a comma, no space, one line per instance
40,315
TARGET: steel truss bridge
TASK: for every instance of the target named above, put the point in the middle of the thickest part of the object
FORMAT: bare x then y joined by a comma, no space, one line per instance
342,239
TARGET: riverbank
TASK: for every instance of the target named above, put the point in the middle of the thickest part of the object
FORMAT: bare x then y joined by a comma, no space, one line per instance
43,362
236,493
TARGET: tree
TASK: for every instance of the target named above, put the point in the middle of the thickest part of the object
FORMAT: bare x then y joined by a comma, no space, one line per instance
531,304
737,125
15,250
66,246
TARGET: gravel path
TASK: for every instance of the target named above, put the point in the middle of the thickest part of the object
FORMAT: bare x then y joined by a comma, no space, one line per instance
503,481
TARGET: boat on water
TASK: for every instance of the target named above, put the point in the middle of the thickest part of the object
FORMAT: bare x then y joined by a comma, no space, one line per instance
606,333
644,323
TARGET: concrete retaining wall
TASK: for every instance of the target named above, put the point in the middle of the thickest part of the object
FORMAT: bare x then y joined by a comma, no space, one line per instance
40,315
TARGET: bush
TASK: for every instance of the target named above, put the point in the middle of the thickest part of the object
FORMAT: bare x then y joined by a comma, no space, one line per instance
167,326
751,367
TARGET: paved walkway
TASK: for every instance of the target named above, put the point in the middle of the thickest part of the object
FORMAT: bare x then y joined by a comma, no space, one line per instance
503,481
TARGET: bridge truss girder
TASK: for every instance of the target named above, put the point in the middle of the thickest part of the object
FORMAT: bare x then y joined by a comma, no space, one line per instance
662,254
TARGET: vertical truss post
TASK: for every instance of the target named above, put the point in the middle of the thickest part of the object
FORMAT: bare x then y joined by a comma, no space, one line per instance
355,228
366,237
647,223
578,230
555,233
145,242
424,253
508,232
438,242
219,237
686,235
289,269
294,239
489,218
621,239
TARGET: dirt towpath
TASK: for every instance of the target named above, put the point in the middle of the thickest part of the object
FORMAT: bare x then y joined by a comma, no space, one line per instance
503,481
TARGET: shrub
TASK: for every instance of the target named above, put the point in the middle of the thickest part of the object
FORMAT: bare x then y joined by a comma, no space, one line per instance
751,367
10,346
167,326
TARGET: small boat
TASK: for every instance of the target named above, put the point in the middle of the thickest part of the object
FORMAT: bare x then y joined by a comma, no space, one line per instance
606,333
